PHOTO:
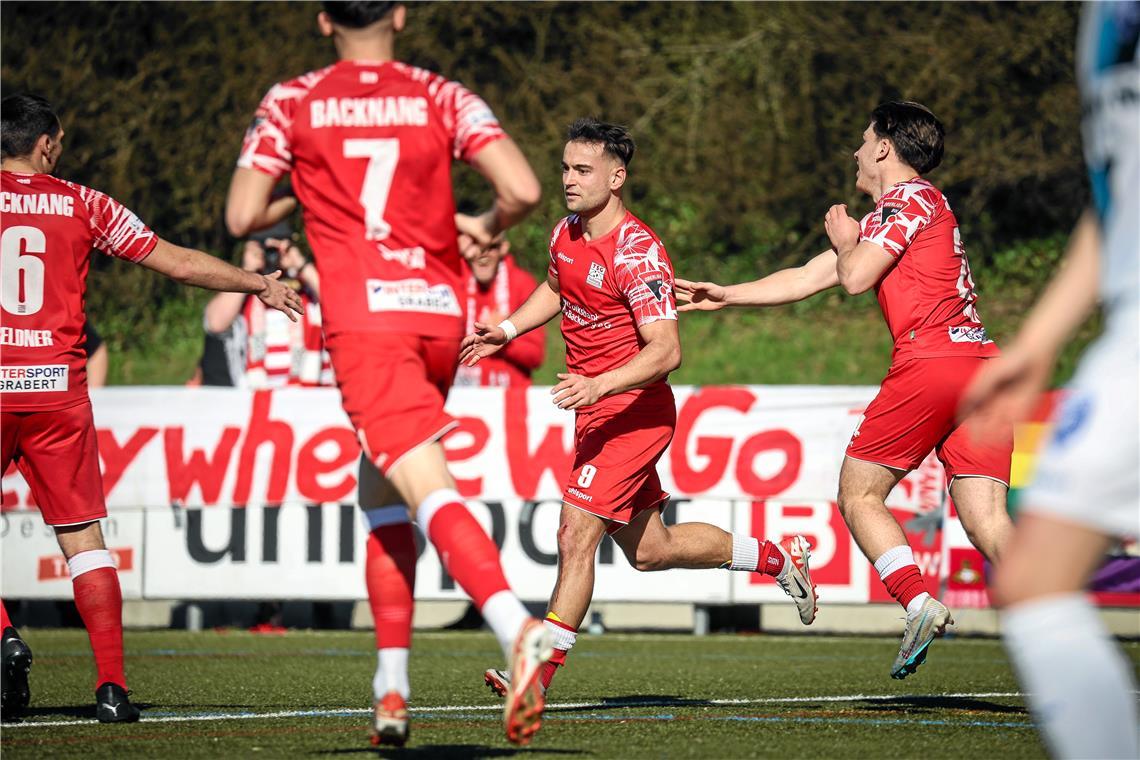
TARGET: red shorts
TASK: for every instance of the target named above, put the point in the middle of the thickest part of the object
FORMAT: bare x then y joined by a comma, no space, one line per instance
916,411
57,453
393,387
616,448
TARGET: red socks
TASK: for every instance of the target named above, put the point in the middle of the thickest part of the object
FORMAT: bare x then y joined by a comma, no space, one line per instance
390,574
905,584
466,551
4,621
771,559
100,603
557,660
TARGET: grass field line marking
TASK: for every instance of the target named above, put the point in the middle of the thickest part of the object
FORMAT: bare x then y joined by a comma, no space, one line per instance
647,702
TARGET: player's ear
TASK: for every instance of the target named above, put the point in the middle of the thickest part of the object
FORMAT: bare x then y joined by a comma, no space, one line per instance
325,24
45,145
399,18
617,178
883,149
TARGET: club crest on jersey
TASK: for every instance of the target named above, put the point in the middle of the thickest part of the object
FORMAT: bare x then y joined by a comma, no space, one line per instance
887,213
657,287
597,272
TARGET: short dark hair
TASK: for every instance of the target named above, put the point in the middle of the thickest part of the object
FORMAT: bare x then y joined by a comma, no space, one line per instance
357,14
23,118
615,139
916,132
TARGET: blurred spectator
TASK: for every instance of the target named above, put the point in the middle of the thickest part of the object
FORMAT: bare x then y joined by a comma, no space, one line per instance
97,358
249,346
496,286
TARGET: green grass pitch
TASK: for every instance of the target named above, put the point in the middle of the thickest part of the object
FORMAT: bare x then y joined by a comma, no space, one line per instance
234,694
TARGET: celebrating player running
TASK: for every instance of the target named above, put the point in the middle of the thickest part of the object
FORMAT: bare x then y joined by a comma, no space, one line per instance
612,281
909,250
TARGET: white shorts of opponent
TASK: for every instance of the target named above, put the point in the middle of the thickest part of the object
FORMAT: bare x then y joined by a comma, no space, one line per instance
1089,471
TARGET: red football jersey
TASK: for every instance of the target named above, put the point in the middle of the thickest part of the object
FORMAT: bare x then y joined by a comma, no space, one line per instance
49,227
610,286
927,295
370,147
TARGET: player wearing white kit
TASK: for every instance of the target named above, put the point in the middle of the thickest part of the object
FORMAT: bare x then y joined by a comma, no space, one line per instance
1087,487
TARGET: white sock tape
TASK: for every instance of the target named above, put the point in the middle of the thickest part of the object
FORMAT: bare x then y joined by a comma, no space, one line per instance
432,504
509,328
85,562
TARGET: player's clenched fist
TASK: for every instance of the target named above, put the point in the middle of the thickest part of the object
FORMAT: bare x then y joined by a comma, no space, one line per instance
842,230
575,391
486,340
277,295
700,296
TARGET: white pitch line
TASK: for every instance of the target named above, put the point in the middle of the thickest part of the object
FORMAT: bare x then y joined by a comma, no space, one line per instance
649,702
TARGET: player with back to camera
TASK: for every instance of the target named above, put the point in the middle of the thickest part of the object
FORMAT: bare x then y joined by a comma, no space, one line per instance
1086,491
369,142
908,249
611,279
47,230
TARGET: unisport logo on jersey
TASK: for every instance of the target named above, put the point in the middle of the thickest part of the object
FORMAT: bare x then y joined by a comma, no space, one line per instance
887,212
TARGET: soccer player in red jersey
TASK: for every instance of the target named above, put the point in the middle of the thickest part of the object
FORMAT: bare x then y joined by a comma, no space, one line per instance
611,279
369,142
909,250
47,230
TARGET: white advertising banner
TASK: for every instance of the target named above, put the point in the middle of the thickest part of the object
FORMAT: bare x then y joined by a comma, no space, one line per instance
238,494
35,568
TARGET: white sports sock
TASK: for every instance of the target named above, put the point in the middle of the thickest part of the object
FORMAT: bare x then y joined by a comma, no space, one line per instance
745,552
1078,684
506,615
894,559
391,672
563,637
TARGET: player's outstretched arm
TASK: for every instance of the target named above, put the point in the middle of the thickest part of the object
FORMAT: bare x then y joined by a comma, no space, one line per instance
250,205
191,267
660,355
782,287
517,191
538,309
1006,388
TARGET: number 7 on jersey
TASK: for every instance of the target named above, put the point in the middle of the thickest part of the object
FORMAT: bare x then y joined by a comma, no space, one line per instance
383,155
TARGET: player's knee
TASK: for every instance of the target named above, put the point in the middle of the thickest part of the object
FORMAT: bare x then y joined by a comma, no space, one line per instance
651,558
573,545
848,503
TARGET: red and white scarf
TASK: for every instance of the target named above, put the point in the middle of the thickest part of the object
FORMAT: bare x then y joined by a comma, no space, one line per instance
281,352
